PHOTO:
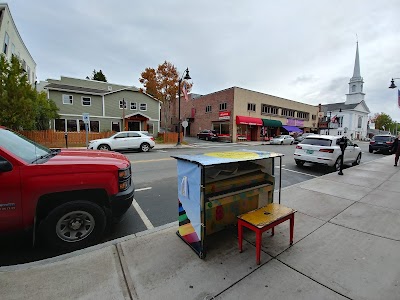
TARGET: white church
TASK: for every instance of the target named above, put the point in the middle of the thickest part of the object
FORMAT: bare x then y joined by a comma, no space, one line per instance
349,118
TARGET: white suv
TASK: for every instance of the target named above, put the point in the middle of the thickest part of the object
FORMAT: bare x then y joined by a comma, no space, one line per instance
124,140
325,150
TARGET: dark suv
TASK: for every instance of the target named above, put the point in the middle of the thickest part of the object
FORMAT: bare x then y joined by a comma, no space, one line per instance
208,135
382,143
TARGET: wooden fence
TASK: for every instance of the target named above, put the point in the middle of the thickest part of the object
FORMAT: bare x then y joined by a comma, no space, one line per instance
56,139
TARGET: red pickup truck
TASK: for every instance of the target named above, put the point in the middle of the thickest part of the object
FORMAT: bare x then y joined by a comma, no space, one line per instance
65,198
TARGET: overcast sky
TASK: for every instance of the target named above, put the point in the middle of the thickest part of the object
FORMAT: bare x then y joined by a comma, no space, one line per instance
298,50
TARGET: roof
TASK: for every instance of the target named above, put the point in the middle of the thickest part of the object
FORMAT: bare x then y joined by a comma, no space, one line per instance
338,106
74,88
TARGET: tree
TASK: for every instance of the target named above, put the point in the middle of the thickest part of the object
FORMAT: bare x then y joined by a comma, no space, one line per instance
99,76
46,110
162,84
383,121
21,105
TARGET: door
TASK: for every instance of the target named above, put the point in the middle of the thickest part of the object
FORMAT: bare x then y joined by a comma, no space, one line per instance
349,153
120,141
134,140
134,125
10,197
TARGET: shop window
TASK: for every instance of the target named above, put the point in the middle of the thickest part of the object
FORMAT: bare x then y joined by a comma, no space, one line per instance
251,107
222,106
208,108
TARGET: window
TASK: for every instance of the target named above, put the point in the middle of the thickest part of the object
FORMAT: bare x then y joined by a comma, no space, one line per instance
339,133
28,71
133,106
208,108
115,126
59,124
95,126
251,107
143,106
288,112
222,106
340,121
12,49
122,104
86,101
150,128
67,99
353,88
23,65
314,117
6,42
221,128
359,122
302,115
72,125
271,110
134,134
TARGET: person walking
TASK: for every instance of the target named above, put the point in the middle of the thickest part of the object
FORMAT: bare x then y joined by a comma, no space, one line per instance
396,150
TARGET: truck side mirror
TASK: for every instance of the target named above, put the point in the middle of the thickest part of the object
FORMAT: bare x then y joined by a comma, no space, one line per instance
5,166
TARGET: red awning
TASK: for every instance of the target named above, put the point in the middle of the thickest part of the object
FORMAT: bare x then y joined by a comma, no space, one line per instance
248,120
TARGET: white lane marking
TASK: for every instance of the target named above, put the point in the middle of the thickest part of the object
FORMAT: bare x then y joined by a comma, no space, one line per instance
143,189
299,172
279,167
142,215
161,151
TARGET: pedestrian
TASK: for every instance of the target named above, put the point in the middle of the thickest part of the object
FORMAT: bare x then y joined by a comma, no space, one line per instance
396,150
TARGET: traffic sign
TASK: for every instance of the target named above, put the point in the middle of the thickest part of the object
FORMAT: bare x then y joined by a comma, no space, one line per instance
85,118
185,124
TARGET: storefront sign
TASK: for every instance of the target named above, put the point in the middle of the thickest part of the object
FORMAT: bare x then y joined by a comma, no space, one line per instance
224,115
295,122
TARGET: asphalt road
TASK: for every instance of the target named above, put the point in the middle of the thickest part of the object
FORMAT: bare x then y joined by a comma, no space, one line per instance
155,179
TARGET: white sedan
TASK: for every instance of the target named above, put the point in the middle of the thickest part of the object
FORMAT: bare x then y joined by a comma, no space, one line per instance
325,150
282,139
125,140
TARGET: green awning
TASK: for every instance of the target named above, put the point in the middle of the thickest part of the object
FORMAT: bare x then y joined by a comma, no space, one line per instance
271,123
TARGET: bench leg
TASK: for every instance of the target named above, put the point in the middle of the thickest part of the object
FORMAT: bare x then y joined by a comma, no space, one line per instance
258,246
291,229
240,235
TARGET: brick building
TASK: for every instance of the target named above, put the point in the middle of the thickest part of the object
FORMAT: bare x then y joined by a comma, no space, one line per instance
240,114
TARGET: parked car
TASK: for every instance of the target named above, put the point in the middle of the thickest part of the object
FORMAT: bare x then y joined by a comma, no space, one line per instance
301,137
208,135
382,143
64,198
325,150
125,140
282,140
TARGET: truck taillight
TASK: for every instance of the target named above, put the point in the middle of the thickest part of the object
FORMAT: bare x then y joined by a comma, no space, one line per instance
327,150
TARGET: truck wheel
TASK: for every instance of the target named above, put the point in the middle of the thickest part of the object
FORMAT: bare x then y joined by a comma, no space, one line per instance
73,225
145,147
104,147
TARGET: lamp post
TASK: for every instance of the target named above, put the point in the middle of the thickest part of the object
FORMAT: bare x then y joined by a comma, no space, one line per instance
329,121
187,77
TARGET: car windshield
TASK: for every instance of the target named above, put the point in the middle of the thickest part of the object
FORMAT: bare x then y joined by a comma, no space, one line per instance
381,138
22,147
148,134
316,141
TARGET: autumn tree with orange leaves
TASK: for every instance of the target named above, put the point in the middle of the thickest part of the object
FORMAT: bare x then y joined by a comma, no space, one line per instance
162,84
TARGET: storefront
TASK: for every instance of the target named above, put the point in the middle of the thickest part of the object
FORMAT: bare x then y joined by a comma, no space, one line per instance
248,128
270,128
223,125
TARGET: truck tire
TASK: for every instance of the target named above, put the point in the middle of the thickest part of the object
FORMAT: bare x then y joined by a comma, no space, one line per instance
104,147
73,225
145,147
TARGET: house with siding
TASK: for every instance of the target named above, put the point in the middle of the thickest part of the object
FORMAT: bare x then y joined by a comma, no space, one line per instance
111,107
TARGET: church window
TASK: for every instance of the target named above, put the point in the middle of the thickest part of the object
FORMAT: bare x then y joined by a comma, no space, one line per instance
359,122
353,88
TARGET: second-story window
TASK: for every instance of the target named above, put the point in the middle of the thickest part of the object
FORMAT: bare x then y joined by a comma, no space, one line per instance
122,104
143,106
133,106
208,108
302,115
222,106
266,109
6,42
67,99
86,101
287,112
251,107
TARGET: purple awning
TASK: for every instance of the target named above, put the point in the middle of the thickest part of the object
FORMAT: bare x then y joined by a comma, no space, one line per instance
292,128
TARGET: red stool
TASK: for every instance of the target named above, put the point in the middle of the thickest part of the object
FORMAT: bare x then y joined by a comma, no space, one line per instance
263,219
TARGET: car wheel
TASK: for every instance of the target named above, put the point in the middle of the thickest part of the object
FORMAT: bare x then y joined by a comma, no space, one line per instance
145,147
73,225
282,143
370,150
336,166
291,143
358,159
104,147
300,163
207,138
198,137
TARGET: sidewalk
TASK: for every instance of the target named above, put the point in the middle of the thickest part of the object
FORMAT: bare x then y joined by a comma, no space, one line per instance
346,246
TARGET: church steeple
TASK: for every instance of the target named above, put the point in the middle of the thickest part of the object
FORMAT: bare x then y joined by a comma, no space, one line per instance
355,94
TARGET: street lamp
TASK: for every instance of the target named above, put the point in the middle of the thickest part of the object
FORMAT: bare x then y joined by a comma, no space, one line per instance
392,85
329,121
187,77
